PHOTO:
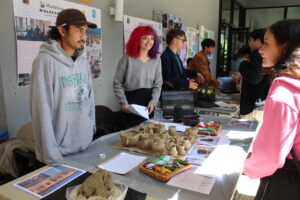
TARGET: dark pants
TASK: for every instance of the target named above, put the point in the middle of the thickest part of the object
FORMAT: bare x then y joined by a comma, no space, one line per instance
140,97
284,184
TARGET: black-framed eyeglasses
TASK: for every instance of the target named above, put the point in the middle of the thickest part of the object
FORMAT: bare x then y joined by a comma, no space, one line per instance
182,39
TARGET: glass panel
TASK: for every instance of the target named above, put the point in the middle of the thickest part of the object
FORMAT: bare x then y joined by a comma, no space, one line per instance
225,16
225,4
236,18
263,18
293,13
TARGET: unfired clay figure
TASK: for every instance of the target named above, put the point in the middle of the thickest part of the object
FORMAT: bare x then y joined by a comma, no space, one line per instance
155,139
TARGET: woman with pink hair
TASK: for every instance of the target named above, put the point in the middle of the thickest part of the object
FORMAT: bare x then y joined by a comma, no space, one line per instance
138,79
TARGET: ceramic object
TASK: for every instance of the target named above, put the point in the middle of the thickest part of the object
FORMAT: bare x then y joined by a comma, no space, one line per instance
191,131
156,140
180,149
130,137
172,130
142,128
158,147
187,144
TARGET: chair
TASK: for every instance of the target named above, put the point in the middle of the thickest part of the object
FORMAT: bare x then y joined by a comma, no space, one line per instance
5,178
107,121
21,150
26,161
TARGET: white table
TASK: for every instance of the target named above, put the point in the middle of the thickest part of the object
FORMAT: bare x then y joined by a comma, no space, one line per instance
88,159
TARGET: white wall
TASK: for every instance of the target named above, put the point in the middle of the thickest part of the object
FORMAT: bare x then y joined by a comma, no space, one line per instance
3,123
14,105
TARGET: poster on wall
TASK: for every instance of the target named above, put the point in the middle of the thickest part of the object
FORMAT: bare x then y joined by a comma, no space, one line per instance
189,48
177,22
191,36
130,23
32,21
169,21
205,33
183,52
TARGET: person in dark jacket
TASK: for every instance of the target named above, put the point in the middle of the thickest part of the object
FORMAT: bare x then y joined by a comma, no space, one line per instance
255,84
175,76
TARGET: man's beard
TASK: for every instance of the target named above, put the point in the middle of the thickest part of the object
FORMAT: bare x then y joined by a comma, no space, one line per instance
81,46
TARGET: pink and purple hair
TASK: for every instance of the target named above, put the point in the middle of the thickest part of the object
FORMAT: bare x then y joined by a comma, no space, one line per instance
132,46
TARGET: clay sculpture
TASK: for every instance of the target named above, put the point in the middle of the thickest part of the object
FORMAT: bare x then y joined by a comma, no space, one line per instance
155,140
98,184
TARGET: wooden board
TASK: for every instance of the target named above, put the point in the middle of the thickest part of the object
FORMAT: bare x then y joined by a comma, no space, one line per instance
163,177
211,133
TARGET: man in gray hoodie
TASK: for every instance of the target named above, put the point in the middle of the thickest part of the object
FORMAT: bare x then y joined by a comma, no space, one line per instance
61,93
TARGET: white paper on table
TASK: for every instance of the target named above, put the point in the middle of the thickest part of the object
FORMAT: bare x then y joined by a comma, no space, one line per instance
241,135
191,181
225,159
139,110
179,127
122,163
212,140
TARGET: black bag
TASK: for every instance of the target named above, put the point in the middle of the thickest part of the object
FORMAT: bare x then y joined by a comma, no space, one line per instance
207,93
284,184
205,97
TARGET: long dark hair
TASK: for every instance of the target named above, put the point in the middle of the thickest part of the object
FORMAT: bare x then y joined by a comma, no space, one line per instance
53,33
287,36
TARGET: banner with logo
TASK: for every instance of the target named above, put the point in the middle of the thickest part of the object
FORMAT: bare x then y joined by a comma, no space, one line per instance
32,21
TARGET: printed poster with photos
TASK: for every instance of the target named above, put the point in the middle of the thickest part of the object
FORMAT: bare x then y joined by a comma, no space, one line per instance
190,48
32,21
169,21
48,181
130,23
191,36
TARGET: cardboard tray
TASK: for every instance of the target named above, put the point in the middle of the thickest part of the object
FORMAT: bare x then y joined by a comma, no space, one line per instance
163,177
210,133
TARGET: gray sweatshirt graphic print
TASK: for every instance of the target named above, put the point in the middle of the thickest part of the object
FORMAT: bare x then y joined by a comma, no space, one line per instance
62,103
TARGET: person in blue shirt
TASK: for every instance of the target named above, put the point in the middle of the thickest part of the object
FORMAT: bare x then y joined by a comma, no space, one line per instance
241,55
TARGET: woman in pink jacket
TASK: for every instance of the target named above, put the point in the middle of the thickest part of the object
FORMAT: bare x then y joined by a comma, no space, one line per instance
279,136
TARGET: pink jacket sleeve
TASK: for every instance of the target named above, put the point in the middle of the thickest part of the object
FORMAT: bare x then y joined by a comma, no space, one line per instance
274,140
